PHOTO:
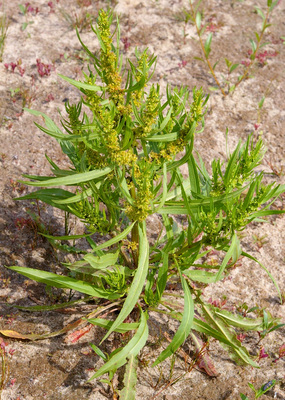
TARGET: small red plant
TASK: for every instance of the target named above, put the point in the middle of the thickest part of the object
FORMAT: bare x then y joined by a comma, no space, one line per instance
51,6
44,69
182,64
262,354
22,222
213,26
30,9
126,43
260,57
281,353
49,98
12,66
241,337
217,303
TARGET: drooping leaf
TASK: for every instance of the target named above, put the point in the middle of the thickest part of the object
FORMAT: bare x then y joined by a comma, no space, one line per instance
73,179
132,348
107,324
61,281
138,281
184,328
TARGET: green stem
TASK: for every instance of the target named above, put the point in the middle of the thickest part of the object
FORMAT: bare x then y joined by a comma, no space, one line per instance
256,50
204,51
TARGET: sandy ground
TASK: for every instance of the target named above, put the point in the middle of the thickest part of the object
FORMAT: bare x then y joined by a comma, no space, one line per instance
55,368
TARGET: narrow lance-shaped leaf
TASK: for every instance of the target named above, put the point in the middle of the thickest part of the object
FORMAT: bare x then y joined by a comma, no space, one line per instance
252,324
81,85
107,324
72,179
234,252
237,350
208,45
138,281
184,328
61,281
132,348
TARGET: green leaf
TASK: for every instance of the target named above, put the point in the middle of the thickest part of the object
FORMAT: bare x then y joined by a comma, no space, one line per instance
184,328
193,175
260,104
238,321
76,198
234,252
107,324
199,59
233,67
72,179
214,88
198,19
243,397
138,281
168,137
228,63
208,44
53,129
49,196
61,281
130,380
81,85
260,13
253,45
117,238
201,275
233,344
216,63
91,263
132,348
99,352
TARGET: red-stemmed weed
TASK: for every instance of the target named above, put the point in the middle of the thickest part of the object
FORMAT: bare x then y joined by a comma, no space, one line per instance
44,69
13,65
281,353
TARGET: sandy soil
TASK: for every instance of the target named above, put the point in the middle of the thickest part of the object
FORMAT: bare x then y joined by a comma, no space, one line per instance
55,368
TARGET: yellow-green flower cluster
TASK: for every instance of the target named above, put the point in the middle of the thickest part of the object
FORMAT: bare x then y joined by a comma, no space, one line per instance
92,216
196,108
142,65
143,194
111,75
149,114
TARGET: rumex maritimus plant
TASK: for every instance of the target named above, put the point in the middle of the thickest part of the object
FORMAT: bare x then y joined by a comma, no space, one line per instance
123,140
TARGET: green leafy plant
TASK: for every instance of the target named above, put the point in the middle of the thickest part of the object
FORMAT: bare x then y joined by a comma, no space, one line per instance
123,140
227,86
259,392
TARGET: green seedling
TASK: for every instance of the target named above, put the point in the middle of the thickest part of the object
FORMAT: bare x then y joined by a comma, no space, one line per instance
259,392
122,139
227,86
